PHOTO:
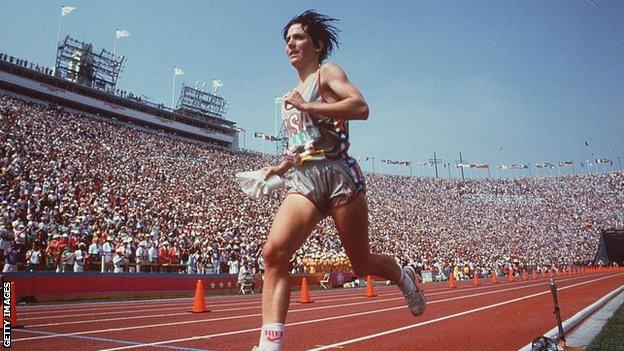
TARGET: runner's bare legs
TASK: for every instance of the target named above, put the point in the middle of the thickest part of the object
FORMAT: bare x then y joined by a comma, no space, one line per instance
293,223
352,224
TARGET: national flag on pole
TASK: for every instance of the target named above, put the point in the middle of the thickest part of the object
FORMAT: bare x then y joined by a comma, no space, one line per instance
479,165
122,33
565,163
394,162
265,136
177,71
238,129
544,165
66,10
367,158
604,160
445,165
262,136
216,84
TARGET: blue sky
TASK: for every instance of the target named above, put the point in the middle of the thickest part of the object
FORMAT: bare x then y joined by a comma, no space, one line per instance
500,81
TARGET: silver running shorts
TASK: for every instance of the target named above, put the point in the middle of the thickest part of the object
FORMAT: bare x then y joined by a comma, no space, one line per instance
327,183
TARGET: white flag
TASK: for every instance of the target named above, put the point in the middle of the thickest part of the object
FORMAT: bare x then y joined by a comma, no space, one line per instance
216,84
66,10
177,71
122,33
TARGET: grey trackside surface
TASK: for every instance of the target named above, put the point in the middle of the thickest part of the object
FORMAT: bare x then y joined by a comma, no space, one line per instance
589,329
578,318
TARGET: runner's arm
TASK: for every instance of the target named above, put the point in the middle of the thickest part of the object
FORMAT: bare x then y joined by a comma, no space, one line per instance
344,100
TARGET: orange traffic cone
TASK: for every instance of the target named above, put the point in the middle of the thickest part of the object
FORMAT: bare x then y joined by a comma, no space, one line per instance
13,318
534,275
510,276
475,279
525,276
304,294
494,277
370,291
199,302
452,281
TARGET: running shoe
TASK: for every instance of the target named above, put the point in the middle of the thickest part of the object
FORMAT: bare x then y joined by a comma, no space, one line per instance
415,299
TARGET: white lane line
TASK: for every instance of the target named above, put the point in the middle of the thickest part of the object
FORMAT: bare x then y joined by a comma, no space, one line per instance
186,313
90,305
207,336
396,330
120,305
196,321
319,298
445,291
155,308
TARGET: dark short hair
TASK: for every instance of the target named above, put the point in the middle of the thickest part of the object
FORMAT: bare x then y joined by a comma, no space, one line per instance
320,28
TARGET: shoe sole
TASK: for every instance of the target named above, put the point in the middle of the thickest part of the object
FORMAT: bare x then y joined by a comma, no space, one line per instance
412,274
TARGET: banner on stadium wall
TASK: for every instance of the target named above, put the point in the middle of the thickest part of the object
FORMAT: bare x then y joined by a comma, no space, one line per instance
427,276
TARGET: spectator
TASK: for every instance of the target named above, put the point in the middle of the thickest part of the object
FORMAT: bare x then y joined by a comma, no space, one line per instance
107,254
34,258
79,258
119,261
142,257
68,258
12,259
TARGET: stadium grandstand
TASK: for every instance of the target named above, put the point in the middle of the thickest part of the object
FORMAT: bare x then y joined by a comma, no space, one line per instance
76,189
85,80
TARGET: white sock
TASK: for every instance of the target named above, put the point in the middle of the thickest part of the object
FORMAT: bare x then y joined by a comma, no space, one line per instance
271,337
405,283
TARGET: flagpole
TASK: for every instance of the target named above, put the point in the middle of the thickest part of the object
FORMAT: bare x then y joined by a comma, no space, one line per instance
58,40
173,88
58,36
115,43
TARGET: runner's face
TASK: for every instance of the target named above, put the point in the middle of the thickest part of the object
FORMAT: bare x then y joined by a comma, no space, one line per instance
299,47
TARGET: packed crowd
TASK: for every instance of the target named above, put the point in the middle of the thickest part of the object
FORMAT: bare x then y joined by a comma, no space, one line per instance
82,193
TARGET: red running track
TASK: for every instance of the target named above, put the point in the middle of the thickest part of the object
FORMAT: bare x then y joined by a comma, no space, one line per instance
504,316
